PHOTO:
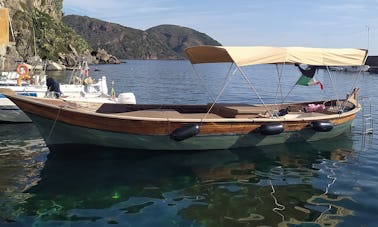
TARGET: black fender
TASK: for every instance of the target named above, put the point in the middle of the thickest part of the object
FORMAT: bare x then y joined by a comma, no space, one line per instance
271,128
322,126
185,132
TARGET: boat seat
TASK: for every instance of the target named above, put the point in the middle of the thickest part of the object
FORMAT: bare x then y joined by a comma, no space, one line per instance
222,111
152,113
239,111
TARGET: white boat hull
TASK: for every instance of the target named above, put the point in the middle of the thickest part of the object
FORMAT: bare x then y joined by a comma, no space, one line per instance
9,112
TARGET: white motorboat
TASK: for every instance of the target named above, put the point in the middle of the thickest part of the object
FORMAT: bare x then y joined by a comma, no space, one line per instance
24,84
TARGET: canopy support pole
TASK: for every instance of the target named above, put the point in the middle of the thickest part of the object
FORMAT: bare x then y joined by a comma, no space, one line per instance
332,85
254,89
225,82
279,87
210,93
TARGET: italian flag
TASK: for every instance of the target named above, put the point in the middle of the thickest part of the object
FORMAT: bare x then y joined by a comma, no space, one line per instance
307,77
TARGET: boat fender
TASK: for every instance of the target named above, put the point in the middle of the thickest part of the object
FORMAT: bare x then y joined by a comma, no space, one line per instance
271,128
185,132
322,126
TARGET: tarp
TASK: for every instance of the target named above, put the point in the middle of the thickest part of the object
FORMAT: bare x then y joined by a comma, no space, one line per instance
243,56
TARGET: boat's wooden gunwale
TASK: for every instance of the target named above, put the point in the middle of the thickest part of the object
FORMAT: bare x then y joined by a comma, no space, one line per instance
70,114
193,113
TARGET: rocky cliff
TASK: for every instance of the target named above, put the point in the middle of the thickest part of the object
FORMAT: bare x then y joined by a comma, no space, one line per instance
37,30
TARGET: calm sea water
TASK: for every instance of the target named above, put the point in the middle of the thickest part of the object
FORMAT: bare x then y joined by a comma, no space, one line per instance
328,183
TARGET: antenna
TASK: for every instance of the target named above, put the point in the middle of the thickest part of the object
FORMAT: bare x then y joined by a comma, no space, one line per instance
368,36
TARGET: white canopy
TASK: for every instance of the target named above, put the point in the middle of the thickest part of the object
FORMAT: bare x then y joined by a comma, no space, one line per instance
243,56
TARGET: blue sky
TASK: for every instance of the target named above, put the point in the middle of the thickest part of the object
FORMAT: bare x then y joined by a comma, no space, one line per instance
316,23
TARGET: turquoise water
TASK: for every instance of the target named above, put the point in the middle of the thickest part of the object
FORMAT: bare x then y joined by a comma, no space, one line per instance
327,183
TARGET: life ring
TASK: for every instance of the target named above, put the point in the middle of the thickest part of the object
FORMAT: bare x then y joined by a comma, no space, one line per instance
22,70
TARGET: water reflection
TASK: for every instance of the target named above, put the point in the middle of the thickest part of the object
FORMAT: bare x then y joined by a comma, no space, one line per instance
22,155
274,185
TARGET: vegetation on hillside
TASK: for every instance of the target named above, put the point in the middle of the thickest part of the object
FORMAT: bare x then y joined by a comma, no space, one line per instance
160,42
179,38
38,30
55,38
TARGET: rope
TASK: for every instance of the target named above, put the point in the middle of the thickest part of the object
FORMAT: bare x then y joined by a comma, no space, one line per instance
53,126
279,207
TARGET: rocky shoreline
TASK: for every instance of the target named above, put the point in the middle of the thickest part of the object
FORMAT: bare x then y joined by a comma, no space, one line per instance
96,57
9,59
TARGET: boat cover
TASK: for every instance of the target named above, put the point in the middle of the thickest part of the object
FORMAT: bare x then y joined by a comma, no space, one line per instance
243,56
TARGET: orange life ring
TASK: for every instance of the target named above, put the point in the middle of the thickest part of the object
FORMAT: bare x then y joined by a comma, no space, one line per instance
22,71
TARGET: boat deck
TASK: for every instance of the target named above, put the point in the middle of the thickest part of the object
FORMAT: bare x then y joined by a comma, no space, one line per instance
169,113
173,114
217,111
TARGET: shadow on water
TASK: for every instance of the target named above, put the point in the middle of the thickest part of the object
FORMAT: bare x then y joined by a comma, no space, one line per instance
258,186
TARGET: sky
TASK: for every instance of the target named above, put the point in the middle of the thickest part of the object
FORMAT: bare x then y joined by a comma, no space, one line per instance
313,23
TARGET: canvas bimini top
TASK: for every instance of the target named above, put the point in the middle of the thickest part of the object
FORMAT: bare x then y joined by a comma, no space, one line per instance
243,56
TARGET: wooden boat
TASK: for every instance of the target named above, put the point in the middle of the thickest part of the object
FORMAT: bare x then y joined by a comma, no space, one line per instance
208,126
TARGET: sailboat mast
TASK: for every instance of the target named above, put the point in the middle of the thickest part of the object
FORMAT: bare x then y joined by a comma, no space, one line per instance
11,28
35,46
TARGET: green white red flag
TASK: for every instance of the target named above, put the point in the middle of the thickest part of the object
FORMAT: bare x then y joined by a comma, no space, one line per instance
308,77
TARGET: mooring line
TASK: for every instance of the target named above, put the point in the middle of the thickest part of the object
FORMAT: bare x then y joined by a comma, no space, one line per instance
53,126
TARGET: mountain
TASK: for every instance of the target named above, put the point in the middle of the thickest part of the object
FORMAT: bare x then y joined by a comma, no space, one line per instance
160,42
178,38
